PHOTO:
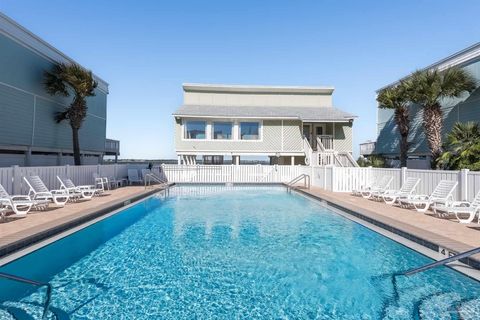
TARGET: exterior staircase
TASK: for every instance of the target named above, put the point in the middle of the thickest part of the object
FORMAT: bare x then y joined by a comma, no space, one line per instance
326,156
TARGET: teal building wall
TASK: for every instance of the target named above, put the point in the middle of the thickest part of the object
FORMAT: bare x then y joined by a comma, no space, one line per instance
462,109
27,111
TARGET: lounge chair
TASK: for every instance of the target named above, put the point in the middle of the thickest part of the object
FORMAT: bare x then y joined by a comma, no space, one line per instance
101,183
39,191
379,188
84,192
19,204
442,193
391,196
376,185
133,177
459,208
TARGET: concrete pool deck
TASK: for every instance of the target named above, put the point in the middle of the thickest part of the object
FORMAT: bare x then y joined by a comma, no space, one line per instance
425,229
39,225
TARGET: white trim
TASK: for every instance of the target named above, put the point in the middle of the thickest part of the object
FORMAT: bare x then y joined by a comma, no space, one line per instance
32,42
240,153
179,115
282,137
199,87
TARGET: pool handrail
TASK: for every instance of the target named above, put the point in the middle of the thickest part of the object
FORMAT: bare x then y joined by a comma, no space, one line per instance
48,298
306,181
442,262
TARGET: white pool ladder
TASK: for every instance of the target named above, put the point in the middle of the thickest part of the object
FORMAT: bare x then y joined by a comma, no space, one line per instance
304,177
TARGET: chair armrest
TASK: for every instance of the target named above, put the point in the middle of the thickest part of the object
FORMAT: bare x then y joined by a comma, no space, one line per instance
19,197
61,192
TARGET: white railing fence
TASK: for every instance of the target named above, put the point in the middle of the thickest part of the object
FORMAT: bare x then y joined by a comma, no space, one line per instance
346,179
11,178
232,173
336,179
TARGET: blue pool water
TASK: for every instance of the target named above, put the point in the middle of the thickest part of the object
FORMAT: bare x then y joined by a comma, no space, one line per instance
234,253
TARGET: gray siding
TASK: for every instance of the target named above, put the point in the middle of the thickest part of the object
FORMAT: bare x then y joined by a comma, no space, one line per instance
22,97
463,109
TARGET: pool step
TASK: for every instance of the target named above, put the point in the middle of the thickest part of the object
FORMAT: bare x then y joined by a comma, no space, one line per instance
441,306
28,311
469,309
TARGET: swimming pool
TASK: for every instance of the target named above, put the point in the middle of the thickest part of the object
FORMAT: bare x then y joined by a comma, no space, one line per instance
234,252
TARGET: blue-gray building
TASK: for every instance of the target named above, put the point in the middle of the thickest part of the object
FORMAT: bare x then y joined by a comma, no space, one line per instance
29,135
463,109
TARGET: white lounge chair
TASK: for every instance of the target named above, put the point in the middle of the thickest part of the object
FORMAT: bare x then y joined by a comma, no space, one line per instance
382,185
19,204
133,176
458,209
370,187
39,191
442,193
391,196
84,192
101,183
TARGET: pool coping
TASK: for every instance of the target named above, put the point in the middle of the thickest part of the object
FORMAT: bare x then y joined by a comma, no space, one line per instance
33,239
411,234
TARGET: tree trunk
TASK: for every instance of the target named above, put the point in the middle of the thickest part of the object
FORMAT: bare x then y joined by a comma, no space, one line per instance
403,150
432,124
403,123
76,147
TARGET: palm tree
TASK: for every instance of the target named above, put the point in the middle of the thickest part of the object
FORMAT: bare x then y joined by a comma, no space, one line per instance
396,98
428,89
462,147
66,79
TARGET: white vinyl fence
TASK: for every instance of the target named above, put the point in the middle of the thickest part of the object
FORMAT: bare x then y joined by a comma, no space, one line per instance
232,173
339,179
11,178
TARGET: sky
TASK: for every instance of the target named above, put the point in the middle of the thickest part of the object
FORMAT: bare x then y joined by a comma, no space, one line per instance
145,50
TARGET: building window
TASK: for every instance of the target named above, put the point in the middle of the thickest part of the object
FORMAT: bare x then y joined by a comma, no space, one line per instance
195,130
222,130
249,131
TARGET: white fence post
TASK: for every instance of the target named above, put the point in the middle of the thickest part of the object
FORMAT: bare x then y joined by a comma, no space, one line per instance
16,180
463,184
334,187
403,176
67,171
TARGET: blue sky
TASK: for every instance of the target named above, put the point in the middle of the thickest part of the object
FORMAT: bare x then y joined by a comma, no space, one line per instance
147,49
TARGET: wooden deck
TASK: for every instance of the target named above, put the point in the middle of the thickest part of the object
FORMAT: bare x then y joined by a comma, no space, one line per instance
427,228
39,225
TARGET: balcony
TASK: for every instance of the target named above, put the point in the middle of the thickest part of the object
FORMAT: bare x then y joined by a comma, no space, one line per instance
112,147
367,148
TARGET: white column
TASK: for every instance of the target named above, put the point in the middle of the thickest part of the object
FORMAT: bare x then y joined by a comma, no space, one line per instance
179,160
237,160
292,160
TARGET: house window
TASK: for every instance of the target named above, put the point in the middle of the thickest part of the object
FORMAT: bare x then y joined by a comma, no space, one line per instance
222,130
249,131
195,130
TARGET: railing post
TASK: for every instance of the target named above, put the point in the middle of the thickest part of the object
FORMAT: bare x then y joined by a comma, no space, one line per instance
334,189
463,184
16,180
403,175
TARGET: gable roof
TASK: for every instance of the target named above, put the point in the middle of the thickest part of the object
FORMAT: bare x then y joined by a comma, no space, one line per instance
301,113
